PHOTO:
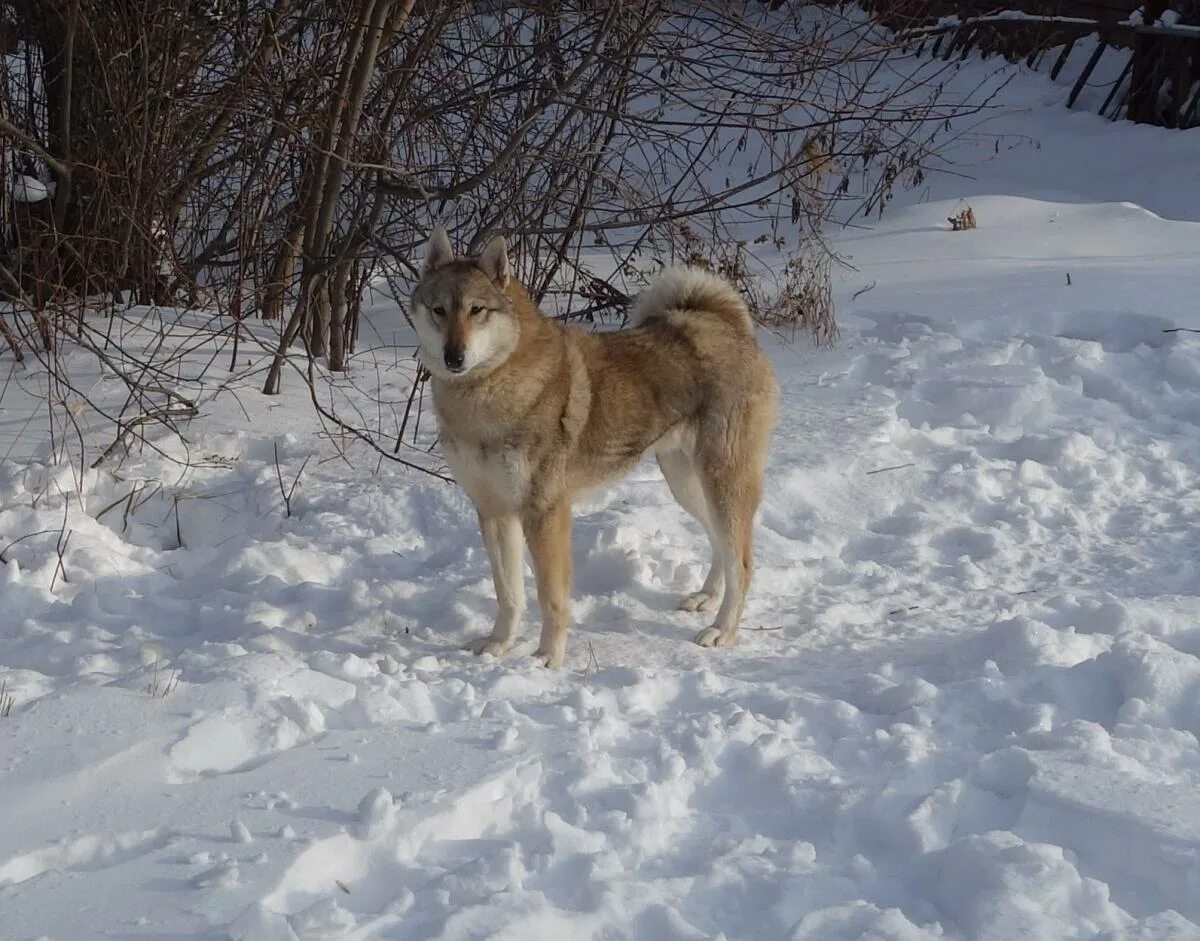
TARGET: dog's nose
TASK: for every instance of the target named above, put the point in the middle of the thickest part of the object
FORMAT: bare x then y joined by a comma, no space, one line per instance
454,359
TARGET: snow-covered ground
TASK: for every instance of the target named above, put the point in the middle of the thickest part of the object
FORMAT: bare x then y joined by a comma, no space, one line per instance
965,703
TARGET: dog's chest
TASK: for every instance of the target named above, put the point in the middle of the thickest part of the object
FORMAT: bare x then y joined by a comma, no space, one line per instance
495,476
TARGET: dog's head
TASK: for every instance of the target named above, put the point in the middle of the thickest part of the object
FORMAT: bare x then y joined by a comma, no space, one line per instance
464,320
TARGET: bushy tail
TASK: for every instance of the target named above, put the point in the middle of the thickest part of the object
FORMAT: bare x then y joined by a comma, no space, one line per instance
694,290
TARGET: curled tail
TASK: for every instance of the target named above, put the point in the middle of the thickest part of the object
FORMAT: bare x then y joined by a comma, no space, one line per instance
696,291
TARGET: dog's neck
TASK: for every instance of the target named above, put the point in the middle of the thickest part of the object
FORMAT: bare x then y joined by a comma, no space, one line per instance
522,304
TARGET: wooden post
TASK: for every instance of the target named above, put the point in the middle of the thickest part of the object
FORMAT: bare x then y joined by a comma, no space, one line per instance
1061,60
1116,88
1087,72
1180,79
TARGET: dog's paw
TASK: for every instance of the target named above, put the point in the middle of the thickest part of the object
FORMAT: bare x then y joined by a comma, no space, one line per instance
713,637
552,660
699,601
489,645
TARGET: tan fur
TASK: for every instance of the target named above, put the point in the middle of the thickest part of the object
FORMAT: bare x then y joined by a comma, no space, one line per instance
543,412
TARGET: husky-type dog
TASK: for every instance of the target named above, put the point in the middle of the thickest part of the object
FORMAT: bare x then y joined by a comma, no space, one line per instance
534,413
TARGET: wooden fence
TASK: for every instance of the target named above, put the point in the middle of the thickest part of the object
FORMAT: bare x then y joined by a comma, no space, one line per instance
1159,81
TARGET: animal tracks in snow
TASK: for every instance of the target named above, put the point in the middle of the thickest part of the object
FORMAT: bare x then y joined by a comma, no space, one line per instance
95,851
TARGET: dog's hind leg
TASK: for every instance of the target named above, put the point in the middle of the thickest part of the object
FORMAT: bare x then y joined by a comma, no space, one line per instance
686,487
734,524
733,484
731,460
502,539
549,535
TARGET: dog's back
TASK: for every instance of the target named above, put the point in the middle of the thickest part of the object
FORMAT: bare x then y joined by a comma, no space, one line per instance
688,369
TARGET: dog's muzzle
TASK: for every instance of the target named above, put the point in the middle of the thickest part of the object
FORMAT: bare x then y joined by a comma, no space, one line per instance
454,359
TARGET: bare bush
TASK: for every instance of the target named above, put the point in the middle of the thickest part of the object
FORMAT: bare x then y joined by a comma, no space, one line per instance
269,160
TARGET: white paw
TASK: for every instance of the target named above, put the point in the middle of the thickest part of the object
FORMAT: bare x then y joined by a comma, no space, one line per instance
699,601
552,660
490,645
713,637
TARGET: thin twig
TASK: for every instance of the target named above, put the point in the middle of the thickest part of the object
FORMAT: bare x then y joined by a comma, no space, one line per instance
61,548
861,291
593,662
19,539
1011,594
880,470
126,429
287,494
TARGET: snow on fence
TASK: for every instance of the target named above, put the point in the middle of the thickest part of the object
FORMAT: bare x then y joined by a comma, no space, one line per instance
1158,80
1158,84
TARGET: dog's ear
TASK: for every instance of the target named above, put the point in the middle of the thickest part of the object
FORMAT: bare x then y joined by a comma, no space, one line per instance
494,260
437,250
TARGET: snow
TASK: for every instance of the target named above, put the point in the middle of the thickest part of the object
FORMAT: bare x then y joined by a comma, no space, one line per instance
29,189
965,704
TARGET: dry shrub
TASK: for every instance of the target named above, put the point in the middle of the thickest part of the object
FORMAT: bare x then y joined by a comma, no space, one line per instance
962,221
804,297
791,290
269,158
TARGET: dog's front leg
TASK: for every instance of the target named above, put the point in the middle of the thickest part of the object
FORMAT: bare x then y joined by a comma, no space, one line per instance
502,539
549,536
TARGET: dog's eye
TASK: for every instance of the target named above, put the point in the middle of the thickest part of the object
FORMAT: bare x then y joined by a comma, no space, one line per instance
439,312
476,311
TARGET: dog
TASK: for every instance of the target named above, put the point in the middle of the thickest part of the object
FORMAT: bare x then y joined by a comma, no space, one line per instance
533,413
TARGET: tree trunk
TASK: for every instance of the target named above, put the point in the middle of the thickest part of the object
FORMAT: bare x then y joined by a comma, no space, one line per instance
286,339
282,269
318,316
323,184
339,289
